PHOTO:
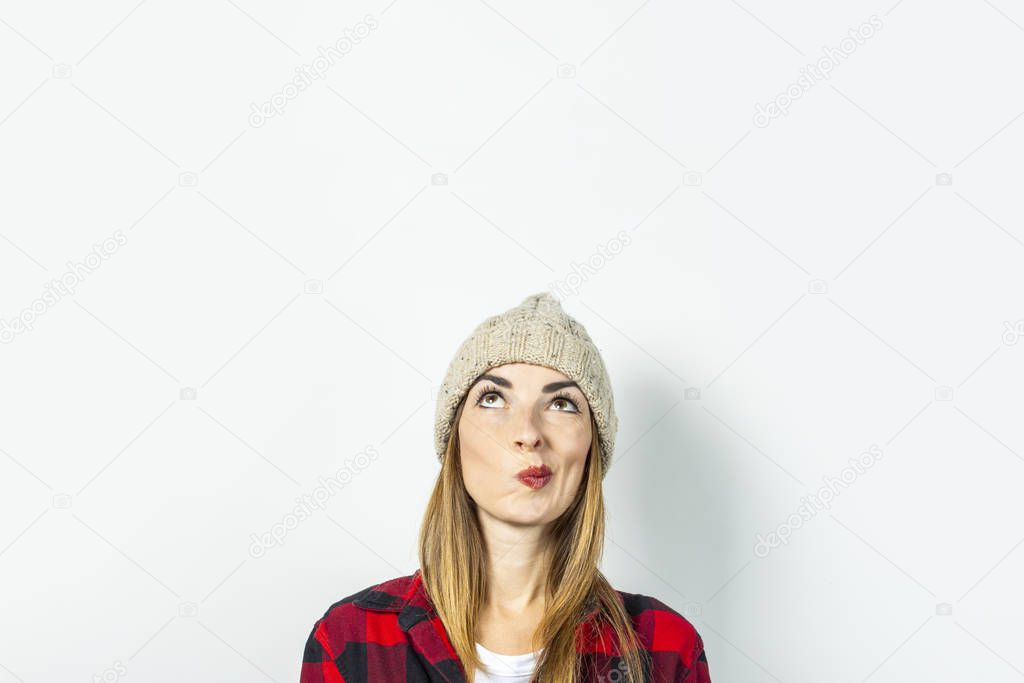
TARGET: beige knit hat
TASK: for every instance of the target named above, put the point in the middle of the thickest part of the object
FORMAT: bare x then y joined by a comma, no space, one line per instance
536,331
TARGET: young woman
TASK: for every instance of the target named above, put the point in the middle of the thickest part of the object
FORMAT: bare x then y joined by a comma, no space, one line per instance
508,587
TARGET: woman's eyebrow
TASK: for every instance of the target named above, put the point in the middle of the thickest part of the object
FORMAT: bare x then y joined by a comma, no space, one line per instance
547,389
500,381
555,386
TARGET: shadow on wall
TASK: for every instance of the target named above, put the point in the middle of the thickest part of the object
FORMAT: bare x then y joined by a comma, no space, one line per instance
671,509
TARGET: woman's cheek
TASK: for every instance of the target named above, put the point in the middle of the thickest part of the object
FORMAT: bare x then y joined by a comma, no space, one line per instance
574,444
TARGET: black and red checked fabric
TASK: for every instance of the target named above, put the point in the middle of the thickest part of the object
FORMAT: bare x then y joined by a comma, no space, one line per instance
389,632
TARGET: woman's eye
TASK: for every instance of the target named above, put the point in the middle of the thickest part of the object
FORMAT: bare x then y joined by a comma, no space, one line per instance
490,399
567,403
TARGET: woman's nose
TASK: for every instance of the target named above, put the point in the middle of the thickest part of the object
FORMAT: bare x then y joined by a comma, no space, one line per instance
526,433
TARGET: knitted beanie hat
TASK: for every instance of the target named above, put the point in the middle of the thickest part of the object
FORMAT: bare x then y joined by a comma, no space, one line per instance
536,331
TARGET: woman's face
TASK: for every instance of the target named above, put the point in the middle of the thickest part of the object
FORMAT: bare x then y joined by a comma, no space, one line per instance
519,416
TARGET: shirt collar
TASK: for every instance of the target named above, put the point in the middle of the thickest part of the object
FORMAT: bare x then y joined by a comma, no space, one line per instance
404,595
408,597
426,633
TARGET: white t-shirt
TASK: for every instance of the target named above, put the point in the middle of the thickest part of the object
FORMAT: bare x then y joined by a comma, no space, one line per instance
505,668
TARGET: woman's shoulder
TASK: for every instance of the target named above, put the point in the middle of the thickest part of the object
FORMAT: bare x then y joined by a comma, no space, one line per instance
389,595
369,615
345,616
663,628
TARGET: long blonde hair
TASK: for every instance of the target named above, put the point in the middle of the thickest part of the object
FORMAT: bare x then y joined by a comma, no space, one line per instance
453,567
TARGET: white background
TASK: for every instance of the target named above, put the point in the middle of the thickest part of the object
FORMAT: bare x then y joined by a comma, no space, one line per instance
812,282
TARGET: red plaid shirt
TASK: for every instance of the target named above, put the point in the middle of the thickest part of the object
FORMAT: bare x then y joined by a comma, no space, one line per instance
389,632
